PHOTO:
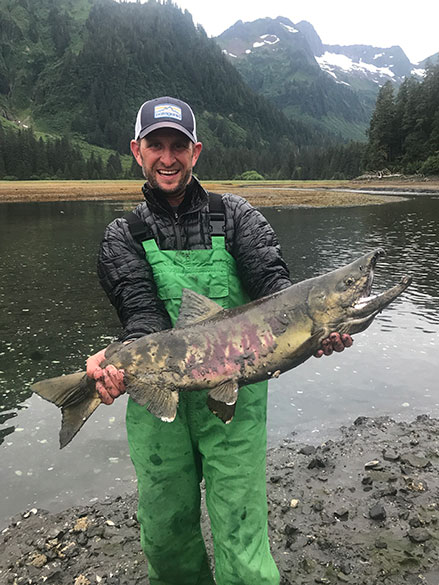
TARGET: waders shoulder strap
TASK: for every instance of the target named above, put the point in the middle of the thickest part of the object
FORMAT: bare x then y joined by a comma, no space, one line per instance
138,228
141,232
217,215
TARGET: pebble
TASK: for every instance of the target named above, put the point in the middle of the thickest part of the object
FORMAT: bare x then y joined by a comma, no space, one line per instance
377,512
419,535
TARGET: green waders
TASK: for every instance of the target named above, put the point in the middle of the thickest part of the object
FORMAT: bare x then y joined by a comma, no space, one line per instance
171,458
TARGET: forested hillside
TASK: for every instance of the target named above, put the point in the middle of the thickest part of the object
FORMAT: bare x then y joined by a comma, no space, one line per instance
404,129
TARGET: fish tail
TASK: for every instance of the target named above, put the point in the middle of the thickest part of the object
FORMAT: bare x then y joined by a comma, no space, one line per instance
77,397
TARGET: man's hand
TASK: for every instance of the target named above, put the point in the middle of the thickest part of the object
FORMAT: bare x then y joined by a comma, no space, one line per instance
109,380
335,342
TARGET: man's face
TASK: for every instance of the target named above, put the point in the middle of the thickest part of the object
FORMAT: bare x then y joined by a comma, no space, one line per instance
167,157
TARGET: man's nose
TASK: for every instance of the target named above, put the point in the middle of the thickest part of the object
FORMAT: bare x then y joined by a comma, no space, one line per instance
167,157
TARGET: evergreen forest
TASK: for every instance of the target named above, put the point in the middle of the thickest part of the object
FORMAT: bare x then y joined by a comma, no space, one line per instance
74,72
404,129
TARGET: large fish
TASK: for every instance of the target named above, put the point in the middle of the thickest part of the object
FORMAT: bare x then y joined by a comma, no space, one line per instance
224,349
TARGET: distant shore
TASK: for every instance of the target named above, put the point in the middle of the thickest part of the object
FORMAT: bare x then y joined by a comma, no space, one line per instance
259,193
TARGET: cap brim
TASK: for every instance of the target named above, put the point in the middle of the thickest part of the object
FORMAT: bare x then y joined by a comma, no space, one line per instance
166,124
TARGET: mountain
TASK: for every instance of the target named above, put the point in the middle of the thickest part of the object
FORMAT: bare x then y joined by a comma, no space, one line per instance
433,59
335,85
83,67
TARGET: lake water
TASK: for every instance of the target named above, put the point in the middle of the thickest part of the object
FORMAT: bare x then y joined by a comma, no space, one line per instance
53,314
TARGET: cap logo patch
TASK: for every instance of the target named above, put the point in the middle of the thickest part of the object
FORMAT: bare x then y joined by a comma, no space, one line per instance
168,111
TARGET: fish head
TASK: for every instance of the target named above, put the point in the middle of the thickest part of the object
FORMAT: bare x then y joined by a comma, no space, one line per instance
342,301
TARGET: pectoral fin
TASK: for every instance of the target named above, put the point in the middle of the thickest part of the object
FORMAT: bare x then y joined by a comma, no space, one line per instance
161,402
226,392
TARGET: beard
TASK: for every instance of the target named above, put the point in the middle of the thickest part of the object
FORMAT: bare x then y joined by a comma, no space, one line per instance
150,177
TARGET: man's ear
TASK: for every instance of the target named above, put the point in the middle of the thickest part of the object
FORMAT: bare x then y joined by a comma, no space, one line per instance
135,149
198,147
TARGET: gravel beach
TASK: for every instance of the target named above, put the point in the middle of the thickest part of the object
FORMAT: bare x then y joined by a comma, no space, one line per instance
361,509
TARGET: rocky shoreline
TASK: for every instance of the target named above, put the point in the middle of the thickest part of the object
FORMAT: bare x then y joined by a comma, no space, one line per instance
362,509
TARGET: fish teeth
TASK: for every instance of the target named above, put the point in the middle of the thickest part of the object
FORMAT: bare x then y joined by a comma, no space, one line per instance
364,300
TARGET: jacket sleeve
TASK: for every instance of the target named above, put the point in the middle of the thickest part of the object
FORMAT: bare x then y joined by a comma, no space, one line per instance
256,250
127,279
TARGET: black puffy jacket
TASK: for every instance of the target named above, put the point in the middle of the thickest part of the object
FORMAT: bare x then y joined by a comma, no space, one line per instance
127,278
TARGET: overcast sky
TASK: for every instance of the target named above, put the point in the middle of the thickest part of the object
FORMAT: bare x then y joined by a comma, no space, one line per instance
381,23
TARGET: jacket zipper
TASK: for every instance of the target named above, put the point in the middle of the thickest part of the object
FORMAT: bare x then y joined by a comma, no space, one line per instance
177,231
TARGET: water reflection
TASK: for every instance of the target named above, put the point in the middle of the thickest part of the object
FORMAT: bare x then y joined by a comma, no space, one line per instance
53,314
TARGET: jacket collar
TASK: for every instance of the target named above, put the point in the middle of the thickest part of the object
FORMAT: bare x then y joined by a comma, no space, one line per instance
195,198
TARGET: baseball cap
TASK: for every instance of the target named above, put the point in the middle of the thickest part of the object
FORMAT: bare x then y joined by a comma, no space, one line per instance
165,112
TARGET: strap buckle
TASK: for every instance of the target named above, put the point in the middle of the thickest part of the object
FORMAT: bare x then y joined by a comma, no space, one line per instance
217,224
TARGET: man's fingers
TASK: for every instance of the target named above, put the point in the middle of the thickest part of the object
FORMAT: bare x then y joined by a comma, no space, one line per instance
327,346
112,382
336,342
103,393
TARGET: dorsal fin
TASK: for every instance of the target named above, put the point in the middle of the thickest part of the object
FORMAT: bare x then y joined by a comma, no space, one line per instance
195,308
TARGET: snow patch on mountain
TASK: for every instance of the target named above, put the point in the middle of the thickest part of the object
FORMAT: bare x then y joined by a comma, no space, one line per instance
226,52
331,62
290,29
266,40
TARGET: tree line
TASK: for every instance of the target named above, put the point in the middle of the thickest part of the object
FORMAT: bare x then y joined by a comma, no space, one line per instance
24,156
404,128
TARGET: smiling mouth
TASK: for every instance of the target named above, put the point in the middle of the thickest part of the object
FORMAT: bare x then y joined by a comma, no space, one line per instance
166,173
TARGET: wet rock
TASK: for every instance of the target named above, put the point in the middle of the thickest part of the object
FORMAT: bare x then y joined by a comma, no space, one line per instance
275,478
390,455
307,450
341,514
419,535
82,539
96,530
388,491
109,532
316,462
415,460
318,506
361,420
377,512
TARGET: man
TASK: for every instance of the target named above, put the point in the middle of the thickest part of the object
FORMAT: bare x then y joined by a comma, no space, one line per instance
143,270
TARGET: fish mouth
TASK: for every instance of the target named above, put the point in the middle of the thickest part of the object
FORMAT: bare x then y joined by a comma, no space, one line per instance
369,305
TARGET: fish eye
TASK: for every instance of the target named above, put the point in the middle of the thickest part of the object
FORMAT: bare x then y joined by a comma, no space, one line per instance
349,281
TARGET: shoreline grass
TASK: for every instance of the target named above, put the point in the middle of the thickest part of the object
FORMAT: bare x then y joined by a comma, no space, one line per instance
259,193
